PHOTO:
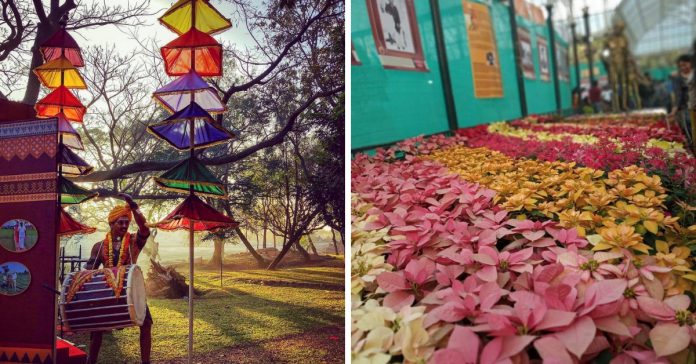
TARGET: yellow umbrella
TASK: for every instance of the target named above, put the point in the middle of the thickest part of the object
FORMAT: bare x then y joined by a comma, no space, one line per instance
49,74
207,19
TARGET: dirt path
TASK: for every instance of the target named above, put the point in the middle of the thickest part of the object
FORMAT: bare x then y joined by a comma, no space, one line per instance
322,345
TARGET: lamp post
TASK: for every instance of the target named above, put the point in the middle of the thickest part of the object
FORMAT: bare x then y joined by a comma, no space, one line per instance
575,52
554,59
518,62
588,44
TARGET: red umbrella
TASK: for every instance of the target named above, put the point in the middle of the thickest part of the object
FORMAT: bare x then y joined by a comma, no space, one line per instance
202,215
61,43
61,99
68,226
206,50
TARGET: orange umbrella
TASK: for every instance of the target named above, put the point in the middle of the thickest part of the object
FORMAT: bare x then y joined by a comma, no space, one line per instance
69,226
207,53
61,100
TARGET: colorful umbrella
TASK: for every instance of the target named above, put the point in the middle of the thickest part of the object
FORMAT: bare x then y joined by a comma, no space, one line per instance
61,100
191,172
176,129
72,165
62,44
71,194
207,53
69,135
50,73
195,212
68,226
176,95
207,19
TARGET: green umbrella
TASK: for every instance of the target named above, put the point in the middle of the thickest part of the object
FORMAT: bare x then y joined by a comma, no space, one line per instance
191,172
71,194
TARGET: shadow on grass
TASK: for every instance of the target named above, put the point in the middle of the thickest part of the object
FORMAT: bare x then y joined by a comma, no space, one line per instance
226,317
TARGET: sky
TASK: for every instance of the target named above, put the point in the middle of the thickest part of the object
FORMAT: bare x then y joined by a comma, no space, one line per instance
108,35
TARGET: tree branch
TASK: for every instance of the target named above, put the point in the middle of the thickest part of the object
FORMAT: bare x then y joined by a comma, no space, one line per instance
224,159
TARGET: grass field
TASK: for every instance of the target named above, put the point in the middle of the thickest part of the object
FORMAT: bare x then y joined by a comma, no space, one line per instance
239,314
23,280
7,239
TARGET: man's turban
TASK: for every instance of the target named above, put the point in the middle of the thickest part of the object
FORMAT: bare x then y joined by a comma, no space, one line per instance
119,212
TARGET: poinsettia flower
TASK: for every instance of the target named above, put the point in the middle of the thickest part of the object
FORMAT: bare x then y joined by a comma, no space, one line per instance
403,286
491,262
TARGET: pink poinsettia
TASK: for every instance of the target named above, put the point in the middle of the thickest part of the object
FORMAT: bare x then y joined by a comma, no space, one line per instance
403,286
493,262
675,328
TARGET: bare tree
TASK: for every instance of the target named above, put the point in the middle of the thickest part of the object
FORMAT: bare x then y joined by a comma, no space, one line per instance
28,24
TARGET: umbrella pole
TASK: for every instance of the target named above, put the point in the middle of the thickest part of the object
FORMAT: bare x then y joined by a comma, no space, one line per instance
190,303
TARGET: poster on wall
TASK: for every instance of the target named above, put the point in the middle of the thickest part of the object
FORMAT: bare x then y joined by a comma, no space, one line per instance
28,249
563,62
521,8
395,30
526,54
543,50
536,14
485,65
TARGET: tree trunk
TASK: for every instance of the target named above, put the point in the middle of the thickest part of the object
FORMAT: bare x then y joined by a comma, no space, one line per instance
257,239
218,252
265,226
259,258
302,251
296,237
333,238
311,245
274,241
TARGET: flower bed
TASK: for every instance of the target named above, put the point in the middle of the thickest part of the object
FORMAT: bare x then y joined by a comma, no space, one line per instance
463,255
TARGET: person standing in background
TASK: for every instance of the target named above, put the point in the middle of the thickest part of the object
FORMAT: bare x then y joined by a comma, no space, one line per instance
595,97
683,88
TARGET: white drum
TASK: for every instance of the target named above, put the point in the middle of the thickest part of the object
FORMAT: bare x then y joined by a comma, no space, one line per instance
95,307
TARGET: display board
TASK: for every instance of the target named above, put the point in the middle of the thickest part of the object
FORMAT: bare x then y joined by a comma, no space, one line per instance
485,65
563,62
28,248
543,51
526,54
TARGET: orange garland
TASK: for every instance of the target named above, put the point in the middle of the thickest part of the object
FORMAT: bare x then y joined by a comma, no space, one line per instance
108,260
78,281
115,282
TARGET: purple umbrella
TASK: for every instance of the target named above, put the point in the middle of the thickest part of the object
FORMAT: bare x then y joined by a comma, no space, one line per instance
176,95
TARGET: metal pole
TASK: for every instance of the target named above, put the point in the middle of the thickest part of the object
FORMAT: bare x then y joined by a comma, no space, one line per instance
191,144
588,43
575,53
444,67
552,39
518,61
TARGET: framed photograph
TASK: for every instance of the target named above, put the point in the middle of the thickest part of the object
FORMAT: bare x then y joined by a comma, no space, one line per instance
14,278
395,30
543,50
18,235
526,57
563,63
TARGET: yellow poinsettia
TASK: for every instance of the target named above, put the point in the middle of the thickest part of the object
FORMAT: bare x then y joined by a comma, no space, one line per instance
577,197
619,237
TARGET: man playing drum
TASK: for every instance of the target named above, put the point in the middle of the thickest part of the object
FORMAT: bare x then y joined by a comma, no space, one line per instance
121,248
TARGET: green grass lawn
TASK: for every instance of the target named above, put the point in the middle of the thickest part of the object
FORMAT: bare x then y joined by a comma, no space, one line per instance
238,313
